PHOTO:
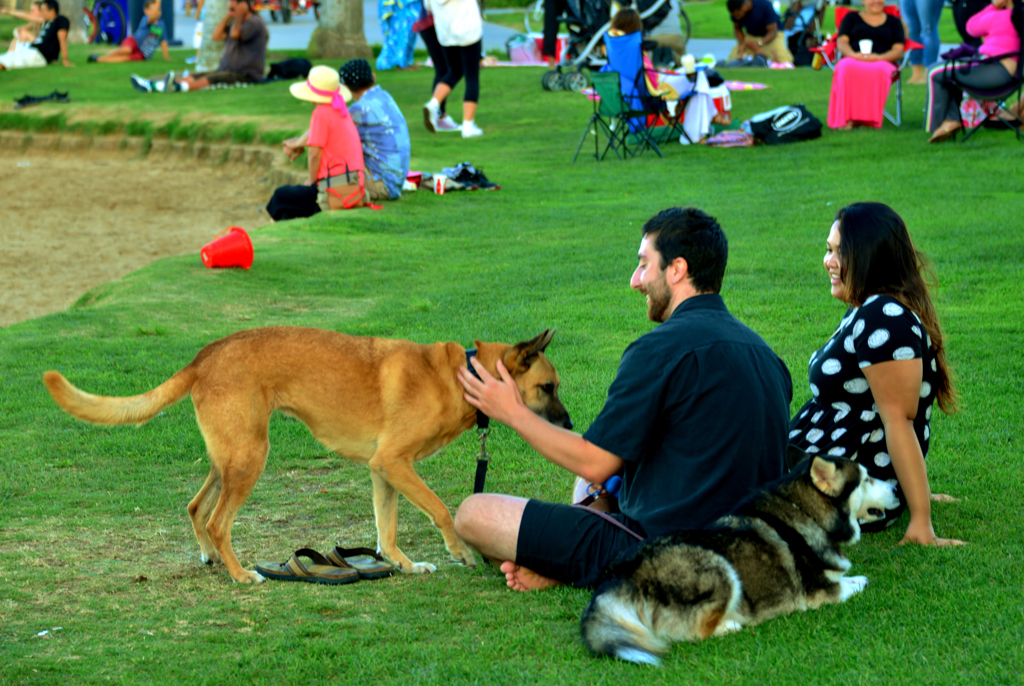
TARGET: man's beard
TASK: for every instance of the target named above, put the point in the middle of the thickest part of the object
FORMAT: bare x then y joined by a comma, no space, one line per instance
660,297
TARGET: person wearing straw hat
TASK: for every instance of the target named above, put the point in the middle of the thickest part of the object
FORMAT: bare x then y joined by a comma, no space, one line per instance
382,130
332,145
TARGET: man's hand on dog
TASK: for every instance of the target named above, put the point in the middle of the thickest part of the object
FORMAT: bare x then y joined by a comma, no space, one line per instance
499,400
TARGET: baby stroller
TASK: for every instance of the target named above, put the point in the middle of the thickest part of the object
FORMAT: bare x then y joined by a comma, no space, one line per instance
587,21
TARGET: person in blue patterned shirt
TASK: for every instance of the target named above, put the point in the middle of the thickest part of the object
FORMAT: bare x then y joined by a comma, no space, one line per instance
382,131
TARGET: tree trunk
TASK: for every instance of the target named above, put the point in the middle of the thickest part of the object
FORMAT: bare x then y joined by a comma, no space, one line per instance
72,9
339,33
211,50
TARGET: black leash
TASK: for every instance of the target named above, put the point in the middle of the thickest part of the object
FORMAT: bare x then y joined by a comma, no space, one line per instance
483,427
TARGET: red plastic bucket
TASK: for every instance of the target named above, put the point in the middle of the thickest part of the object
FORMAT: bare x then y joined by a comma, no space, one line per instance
231,250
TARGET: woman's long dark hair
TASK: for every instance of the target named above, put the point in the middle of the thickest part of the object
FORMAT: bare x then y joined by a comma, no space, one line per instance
878,257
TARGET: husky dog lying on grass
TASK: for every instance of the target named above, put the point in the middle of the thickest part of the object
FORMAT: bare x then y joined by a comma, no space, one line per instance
777,553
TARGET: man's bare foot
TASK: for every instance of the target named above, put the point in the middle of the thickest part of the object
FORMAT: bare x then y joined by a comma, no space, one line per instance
523,579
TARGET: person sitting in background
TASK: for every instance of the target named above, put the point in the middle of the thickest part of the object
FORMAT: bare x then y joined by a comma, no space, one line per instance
51,43
871,43
243,61
756,26
147,38
383,132
999,26
336,179
26,33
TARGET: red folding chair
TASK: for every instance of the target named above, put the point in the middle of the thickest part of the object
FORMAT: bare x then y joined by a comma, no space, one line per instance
830,54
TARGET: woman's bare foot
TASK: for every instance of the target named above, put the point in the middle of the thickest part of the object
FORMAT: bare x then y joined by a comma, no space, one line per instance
918,75
945,132
848,126
523,579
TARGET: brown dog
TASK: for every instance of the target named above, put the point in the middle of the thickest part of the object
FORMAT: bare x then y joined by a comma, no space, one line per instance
385,403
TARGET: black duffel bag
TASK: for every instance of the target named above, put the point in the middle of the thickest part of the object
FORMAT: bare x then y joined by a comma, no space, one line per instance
787,124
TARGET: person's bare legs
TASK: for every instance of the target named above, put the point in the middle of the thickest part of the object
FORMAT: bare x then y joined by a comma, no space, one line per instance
490,524
195,84
468,111
118,54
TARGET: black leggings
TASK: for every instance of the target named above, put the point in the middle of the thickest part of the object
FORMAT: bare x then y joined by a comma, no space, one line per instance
944,95
464,60
437,56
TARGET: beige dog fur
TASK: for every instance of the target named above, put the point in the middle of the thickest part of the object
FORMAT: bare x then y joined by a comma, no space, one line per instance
381,402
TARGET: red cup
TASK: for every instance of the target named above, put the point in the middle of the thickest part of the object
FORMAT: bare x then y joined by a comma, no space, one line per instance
231,250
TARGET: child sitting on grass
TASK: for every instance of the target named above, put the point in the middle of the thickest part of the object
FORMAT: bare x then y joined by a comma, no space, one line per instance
144,42
26,33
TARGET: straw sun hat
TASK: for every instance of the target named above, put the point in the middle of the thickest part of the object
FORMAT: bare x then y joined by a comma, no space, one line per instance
322,79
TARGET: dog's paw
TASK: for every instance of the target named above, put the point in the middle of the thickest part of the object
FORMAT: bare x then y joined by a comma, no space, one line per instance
246,577
727,627
464,557
421,568
850,585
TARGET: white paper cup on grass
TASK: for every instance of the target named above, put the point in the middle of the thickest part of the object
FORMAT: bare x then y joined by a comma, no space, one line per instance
865,47
439,183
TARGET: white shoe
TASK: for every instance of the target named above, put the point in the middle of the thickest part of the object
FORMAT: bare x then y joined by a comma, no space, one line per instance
446,123
431,113
471,130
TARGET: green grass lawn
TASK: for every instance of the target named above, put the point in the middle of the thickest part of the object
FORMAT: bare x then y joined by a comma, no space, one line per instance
94,533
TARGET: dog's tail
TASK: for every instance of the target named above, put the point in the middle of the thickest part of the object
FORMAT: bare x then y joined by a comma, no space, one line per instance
137,409
617,623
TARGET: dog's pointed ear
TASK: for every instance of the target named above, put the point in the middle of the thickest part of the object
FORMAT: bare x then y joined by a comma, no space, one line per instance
524,353
827,478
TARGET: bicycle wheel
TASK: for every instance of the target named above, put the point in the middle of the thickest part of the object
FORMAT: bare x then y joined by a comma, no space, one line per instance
534,17
92,27
113,27
684,25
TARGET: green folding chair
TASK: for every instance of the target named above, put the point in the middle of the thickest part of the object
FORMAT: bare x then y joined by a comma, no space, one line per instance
612,115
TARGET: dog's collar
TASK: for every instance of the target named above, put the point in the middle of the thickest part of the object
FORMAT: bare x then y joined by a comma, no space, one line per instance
482,420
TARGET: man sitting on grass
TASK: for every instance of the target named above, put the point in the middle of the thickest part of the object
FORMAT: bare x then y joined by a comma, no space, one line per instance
383,132
144,42
51,43
243,60
756,26
696,418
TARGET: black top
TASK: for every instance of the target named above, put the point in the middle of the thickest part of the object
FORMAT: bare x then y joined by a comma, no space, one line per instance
699,411
761,15
882,37
46,42
841,418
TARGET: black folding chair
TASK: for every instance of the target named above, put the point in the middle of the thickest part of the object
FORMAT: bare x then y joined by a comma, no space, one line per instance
1011,91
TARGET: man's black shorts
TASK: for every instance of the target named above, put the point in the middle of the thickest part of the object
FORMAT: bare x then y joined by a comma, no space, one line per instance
570,544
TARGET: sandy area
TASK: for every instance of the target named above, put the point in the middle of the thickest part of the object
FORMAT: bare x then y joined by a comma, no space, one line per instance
68,224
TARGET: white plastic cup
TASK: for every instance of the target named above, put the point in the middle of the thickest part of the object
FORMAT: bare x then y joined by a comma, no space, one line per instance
440,180
689,64
865,47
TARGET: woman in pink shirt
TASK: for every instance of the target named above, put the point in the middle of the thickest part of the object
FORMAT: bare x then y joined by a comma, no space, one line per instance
999,27
333,147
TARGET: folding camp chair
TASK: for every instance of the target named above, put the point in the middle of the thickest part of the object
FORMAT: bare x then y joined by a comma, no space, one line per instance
831,55
999,96
612,117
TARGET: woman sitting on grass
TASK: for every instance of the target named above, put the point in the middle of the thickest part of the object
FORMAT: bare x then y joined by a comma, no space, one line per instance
874,381
335,154
860,84
999,26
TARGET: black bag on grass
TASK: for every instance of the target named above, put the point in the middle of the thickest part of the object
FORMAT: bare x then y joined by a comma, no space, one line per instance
785,125
295,68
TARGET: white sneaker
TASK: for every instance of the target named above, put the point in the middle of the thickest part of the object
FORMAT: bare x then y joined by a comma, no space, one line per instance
431,113
446,123
471,130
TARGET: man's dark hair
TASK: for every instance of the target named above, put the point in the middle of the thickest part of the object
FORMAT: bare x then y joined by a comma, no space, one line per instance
696,237
52,4
734,5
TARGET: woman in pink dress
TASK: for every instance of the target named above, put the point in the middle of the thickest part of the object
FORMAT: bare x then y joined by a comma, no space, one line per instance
861,82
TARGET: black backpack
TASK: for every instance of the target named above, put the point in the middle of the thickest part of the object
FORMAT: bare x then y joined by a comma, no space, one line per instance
785,125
